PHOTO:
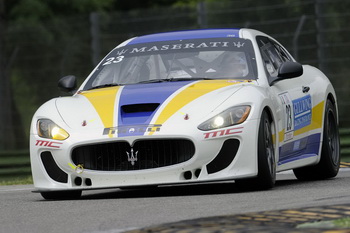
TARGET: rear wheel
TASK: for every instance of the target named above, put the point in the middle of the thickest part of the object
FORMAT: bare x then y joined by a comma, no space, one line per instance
328,166
62,195
266,159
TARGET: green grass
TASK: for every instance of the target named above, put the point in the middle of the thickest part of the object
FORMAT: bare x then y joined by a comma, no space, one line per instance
345,158
14,160
17,180
343,223
344,131
16,175
14,172
15,168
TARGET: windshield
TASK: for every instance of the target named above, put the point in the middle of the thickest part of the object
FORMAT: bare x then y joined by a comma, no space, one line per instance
215,58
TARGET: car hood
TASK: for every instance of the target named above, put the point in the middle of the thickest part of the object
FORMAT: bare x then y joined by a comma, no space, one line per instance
146,106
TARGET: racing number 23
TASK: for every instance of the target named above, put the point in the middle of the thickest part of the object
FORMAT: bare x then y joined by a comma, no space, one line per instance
289,120
288,116
112,60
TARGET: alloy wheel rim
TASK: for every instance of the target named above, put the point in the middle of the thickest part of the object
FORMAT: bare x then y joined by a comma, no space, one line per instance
269,147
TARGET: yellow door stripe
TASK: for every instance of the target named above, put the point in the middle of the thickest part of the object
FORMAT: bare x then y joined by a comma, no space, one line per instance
189,94
104,102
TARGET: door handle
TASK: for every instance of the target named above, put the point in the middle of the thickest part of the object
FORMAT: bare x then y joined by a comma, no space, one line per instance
306,89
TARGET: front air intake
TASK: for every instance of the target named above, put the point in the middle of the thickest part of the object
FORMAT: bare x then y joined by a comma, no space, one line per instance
144,154
52,168
225,157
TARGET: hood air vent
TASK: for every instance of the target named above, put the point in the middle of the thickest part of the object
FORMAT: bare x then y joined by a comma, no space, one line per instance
134,108
137,113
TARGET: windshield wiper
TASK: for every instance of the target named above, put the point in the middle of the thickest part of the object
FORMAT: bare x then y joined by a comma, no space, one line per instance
104,85
172,80
154,81
189,79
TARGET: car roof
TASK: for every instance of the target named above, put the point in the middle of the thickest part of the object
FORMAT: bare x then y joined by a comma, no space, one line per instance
185,35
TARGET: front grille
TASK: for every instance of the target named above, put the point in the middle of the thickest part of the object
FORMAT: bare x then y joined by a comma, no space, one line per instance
146,154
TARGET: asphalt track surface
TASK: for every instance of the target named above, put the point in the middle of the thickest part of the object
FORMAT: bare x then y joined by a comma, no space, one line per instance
217,207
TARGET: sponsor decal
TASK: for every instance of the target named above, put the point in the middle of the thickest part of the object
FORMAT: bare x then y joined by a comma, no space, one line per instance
298,114
132,129
48,143
165,47
302,112
223,132
215,44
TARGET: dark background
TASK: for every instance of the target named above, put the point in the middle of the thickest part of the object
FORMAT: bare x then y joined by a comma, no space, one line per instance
43,40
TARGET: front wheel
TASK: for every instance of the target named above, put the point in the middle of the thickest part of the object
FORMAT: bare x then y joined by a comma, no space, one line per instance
266,159
328,166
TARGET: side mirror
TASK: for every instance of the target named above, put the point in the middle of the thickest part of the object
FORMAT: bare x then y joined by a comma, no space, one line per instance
290,70
67,83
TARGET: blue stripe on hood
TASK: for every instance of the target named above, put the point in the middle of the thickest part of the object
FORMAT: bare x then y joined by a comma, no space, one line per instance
135,123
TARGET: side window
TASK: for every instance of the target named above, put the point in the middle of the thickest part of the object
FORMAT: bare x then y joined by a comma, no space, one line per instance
273,55
282,53
268,63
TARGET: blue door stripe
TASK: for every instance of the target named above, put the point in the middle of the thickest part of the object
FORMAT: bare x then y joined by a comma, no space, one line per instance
311,149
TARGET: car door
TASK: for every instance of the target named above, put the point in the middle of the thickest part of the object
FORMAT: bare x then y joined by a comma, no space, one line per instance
293,102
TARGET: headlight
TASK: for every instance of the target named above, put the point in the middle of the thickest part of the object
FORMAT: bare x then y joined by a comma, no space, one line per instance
48,129
231,116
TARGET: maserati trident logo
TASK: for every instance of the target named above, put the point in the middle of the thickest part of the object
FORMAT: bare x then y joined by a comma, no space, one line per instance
132,157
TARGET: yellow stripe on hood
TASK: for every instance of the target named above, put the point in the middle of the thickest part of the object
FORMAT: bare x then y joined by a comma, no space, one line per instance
191,93
104,102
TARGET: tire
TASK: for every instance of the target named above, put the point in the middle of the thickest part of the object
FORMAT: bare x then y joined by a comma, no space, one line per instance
328,166
62,195
266,177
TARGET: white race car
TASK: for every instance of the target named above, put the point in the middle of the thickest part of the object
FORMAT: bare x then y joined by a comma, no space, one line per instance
187,107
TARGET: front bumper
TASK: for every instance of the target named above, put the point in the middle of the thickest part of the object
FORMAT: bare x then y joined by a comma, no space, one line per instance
226,154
